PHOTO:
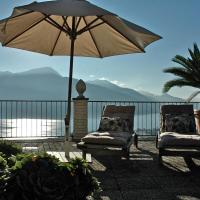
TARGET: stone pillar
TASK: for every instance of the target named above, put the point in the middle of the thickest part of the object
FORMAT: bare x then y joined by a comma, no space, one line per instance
80,112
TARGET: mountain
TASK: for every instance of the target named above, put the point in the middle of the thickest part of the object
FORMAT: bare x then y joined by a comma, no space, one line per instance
5,73
43,83
47,84
136,95
161,98
41,71
124,94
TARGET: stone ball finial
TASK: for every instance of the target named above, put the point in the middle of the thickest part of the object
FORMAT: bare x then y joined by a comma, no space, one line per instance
81,88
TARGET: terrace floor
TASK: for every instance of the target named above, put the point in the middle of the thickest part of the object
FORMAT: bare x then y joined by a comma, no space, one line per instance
140,177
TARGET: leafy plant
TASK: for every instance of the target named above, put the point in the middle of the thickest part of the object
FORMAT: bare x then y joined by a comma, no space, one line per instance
4,173
85,183
188,73
8,148
36,177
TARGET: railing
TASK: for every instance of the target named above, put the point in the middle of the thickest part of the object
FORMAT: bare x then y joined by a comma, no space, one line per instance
32,118
46,118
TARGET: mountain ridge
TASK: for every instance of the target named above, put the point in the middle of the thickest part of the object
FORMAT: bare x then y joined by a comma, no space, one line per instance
47,84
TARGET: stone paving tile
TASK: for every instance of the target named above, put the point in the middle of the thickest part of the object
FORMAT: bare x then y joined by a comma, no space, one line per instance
134,195
196,182
108,183
150,194
187,193
178,182
137,183
127,171
188,197
110,195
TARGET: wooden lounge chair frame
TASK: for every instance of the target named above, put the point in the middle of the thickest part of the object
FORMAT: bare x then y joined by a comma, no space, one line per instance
172,150
110,111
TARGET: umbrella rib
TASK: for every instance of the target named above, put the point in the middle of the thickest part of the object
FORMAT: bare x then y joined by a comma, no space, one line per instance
123,35
66,24
55,24
35,24
79,20
95,43
88,26
56,42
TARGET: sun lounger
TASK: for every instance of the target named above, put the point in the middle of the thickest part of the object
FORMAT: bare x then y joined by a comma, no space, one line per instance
115,130
178,132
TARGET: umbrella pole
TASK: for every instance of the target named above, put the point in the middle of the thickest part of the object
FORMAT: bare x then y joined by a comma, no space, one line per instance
68,115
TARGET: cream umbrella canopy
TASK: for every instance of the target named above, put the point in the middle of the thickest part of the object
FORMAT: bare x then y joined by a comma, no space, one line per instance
74,28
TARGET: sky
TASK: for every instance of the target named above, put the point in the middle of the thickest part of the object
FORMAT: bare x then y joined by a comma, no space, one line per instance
177,21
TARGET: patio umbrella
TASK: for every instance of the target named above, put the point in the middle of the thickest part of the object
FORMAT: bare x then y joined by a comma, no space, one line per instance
75,28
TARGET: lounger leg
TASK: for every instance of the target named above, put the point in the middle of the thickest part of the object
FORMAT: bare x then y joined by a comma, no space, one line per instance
84,154
157,141
136,140
160,151
127,153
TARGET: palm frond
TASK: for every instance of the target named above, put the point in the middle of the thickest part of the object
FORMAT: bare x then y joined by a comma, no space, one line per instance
188,72
182,73
182,61
192,55
196,50
178,83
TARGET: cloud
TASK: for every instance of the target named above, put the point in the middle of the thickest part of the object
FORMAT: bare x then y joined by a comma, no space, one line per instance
116,82
139,88
91,76
103,79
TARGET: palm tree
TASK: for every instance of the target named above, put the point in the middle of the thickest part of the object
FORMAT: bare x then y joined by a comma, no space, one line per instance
188,73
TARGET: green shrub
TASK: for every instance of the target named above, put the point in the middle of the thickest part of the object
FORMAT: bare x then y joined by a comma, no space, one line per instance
4,174
43,177
8,148
85,182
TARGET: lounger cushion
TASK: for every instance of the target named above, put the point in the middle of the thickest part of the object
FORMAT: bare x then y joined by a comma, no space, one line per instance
182,123
107,138
175,139
127,117
114,124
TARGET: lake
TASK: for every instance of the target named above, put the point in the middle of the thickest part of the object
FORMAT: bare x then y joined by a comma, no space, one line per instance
28,127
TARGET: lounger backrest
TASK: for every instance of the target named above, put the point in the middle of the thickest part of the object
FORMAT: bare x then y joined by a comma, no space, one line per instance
177,109
124,112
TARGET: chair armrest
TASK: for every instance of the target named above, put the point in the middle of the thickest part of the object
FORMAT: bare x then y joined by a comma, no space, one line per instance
135,137
133,133
133,140
157,138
